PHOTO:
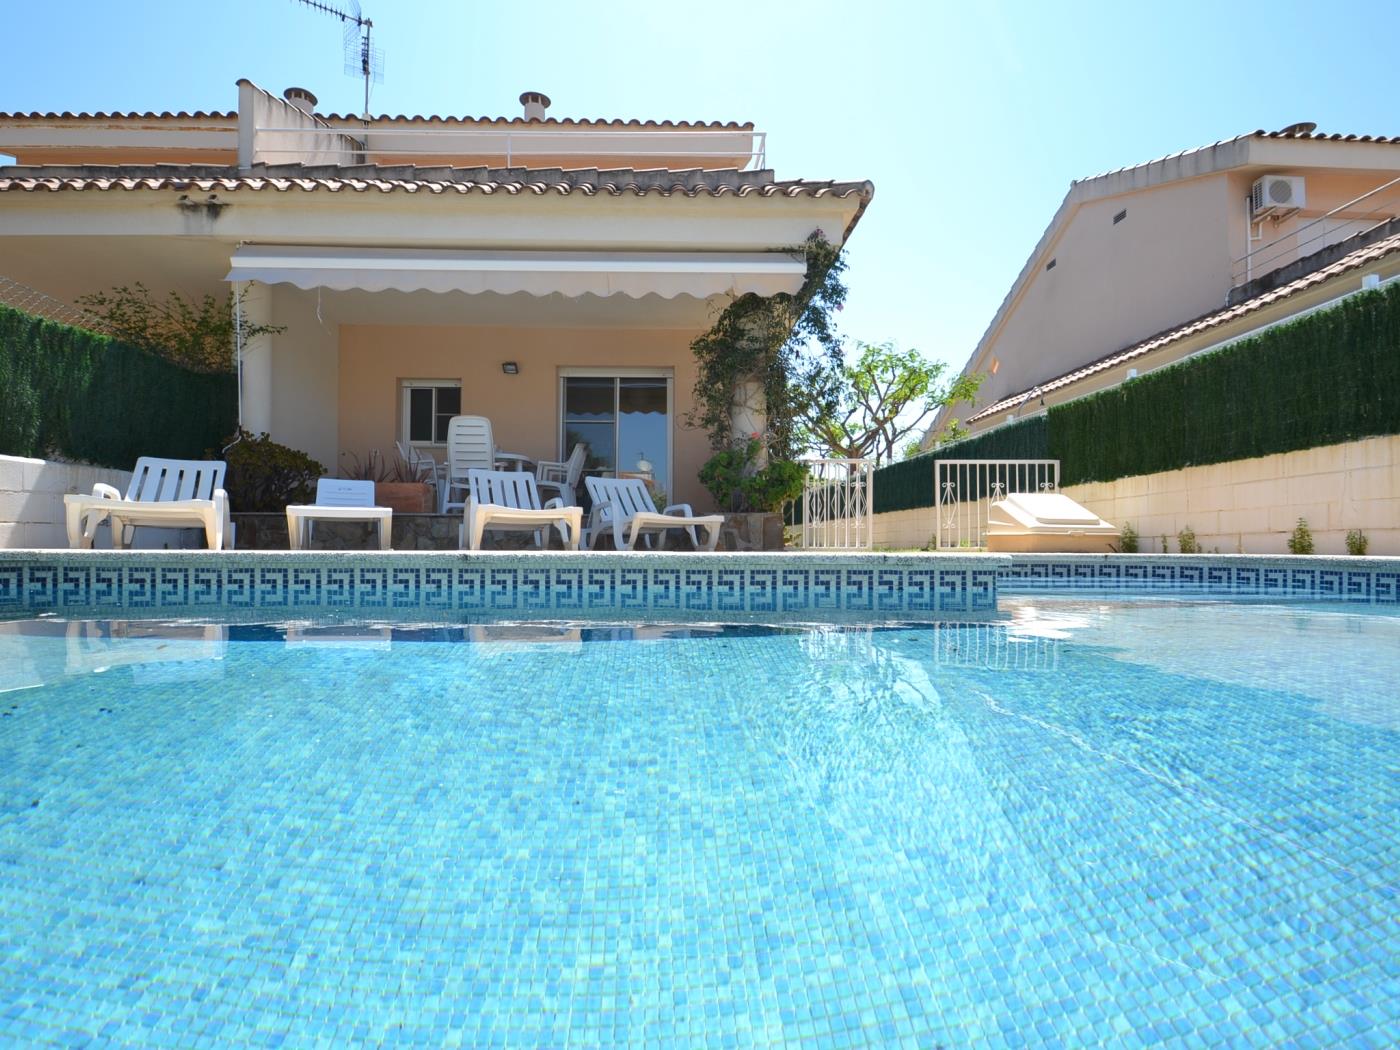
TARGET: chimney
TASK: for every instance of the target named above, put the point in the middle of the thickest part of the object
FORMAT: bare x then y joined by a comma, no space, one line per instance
535,104
301,99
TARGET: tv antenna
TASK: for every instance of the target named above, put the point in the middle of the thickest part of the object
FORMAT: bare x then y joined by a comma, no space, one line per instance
362,58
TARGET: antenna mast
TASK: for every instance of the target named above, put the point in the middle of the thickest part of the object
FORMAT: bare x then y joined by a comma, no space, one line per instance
362,59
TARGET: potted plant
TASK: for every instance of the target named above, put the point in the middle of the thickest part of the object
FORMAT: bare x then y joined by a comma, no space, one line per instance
395,485
752,497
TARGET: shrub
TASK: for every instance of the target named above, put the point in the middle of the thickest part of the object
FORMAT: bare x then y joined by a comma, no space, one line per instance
1186,541
1165,548
727,477
265,476
1301,541
774,485
1128,540
1357,543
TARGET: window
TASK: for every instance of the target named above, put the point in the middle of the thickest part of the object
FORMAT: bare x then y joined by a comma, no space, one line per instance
625,419
428,406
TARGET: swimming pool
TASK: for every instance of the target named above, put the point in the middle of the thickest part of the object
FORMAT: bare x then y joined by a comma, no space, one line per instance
1076,820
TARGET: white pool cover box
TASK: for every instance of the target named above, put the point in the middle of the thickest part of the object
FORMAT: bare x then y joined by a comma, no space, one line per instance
1046,523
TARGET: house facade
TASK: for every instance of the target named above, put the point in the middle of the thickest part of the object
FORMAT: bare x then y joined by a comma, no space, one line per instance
1149,264
547,273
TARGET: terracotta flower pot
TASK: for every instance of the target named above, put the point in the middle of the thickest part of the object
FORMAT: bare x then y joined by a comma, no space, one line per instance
405,497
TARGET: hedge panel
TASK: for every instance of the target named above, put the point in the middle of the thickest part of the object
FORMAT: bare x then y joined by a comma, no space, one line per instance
1330,377
68,392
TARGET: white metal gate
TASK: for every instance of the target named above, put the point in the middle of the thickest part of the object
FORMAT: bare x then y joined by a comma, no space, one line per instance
837,499
965,488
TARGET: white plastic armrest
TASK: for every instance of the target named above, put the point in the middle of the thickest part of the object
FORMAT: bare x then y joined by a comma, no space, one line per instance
556,503
679,506
106,491
600,513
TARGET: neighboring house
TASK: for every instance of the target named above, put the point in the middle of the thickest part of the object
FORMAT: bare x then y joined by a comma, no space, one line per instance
1146,265
549,274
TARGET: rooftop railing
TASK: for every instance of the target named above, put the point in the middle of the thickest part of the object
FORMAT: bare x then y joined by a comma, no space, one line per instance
1358,215
726,147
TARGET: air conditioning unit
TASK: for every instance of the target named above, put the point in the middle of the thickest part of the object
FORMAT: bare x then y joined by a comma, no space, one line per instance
1277,195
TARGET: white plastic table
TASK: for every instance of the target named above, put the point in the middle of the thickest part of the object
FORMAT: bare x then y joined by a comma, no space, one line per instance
300,514
514,461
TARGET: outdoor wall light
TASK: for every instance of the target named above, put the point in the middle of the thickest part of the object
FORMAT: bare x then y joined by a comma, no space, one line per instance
510,368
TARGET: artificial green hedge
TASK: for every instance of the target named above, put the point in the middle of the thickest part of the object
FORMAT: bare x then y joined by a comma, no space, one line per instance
1329,377
68,392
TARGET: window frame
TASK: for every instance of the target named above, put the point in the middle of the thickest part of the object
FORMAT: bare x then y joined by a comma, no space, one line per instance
615,374
406,387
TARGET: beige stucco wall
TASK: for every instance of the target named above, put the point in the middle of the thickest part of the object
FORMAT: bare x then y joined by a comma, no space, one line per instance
305,376
1248,506
523,408
1115,283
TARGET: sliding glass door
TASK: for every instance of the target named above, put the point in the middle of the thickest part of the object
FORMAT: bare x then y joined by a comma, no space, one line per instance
625,419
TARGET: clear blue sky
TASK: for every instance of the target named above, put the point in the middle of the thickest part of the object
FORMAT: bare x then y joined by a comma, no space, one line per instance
970,119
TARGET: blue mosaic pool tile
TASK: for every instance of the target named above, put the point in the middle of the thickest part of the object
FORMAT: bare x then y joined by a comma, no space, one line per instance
1374,581
554,585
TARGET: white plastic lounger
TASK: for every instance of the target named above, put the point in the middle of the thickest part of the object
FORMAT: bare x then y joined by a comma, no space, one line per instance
1045,523
508,501
624,506
165,493
338,500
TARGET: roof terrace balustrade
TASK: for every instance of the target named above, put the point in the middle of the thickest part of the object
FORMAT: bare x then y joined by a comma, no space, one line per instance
553,146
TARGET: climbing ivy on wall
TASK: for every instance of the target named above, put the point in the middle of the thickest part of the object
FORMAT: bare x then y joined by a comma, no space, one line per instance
765,339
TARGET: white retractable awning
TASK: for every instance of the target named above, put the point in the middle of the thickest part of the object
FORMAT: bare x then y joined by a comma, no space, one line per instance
667,274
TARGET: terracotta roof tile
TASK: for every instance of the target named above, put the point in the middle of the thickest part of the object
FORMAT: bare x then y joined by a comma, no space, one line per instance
600,122
385,118
166,115
434,180
1351,261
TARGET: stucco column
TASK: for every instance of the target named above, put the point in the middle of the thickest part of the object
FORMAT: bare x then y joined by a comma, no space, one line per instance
748,415
255,306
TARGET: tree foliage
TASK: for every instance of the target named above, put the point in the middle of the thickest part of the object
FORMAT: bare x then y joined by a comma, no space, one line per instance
198,334
866,408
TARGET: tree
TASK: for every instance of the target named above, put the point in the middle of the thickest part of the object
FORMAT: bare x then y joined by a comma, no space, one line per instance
198,334
866,408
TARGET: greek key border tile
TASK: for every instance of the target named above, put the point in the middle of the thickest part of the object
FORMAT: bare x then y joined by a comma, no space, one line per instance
1327,579
561,589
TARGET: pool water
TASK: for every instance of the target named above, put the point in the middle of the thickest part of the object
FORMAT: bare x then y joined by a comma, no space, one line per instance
1090,823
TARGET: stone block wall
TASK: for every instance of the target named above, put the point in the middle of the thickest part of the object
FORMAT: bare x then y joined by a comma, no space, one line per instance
31,499
1249,506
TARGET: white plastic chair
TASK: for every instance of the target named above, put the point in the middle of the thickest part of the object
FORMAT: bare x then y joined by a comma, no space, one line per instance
508,501
469,447
338,499
421,465
164,493
625,506
563,477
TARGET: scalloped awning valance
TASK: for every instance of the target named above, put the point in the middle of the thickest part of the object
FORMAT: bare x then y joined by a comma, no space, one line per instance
573,274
